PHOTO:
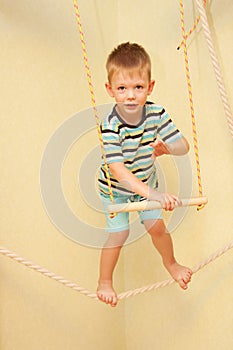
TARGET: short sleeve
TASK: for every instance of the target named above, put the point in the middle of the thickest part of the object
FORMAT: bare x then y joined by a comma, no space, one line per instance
112,145
167,130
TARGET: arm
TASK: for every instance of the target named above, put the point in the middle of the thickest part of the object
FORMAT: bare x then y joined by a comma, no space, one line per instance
177,148
132,183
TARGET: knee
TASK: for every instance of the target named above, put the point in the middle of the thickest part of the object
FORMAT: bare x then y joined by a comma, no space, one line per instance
157,229
117,239
121,237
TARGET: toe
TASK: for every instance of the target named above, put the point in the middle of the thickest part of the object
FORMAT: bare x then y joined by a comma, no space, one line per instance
99,295
114,301
108,298
182,284
187,278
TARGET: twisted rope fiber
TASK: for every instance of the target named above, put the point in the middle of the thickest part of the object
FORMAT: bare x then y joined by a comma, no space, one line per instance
216,65
202,264
192,29
168,282
93,100
194,129
45,272
121,296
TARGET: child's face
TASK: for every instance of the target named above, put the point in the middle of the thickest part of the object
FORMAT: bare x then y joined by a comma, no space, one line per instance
130,90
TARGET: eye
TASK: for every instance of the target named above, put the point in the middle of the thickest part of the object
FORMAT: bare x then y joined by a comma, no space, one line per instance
121,88
139,87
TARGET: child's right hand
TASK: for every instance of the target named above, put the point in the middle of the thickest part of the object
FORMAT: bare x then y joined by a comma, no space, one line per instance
160,148
168,201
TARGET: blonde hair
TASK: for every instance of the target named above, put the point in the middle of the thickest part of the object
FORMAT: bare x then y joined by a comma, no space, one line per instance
128,56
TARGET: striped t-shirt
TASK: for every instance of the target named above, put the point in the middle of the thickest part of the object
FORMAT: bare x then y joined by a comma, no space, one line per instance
129,144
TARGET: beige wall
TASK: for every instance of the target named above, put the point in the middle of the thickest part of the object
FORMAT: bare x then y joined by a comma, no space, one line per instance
42,84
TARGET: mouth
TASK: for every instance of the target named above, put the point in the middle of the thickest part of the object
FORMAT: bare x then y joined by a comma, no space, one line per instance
130,105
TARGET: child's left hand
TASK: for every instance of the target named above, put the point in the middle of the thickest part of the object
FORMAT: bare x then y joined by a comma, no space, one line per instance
160,148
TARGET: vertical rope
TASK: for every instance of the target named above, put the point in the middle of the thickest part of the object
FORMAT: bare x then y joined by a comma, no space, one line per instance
193,28
194,129
216,65
93,101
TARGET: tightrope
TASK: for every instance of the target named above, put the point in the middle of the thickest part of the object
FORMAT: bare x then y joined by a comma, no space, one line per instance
121,296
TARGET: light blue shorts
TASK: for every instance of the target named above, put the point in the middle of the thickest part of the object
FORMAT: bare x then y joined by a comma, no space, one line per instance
121,221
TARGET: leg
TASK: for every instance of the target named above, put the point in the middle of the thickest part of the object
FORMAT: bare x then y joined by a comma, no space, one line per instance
109,257
163,243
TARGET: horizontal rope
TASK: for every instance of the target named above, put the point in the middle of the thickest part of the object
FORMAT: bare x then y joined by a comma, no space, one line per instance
124,295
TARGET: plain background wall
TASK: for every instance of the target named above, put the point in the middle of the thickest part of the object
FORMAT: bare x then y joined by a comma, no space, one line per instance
43,83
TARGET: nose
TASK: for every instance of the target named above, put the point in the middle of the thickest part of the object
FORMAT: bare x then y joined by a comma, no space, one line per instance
131,95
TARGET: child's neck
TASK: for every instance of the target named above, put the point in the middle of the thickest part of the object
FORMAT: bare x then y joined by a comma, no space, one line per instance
131,119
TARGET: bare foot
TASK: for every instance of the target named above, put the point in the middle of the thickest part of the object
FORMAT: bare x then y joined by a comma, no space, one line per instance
181,274
106,293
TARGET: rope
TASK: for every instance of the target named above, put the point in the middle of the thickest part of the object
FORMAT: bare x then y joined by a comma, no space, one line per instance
216,65
93,100
192,29
194,129
223,93
121,296
168,282
47,273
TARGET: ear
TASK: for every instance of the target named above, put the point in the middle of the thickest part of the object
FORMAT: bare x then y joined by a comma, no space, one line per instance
151,87
109,89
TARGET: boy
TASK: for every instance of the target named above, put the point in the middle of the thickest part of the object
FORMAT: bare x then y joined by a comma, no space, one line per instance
130,134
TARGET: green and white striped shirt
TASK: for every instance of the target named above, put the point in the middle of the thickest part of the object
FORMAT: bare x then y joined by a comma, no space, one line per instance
129,144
